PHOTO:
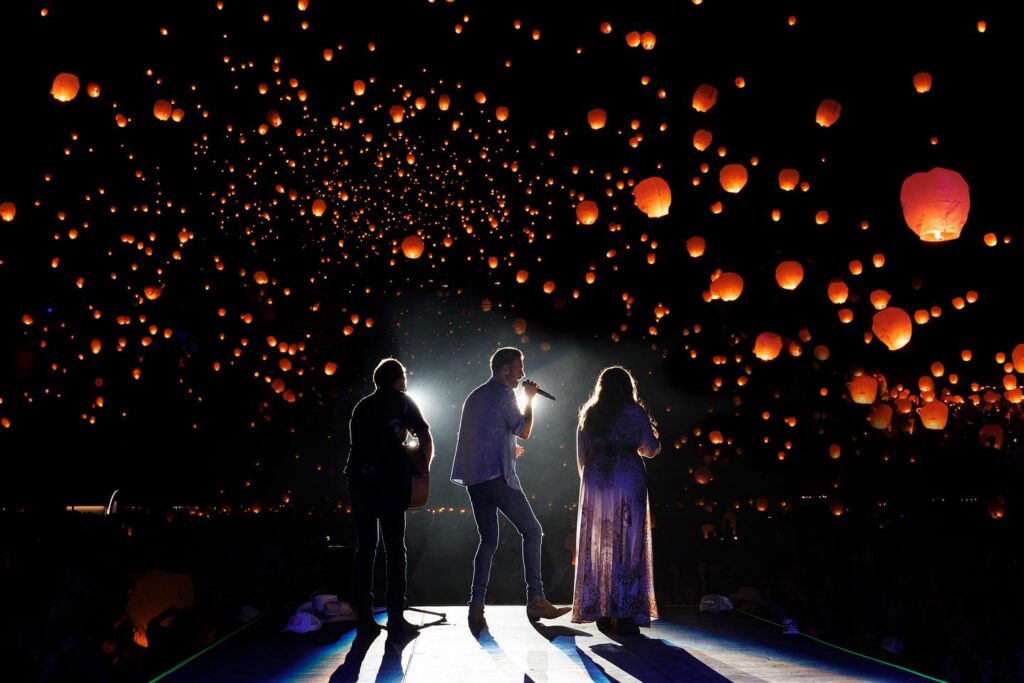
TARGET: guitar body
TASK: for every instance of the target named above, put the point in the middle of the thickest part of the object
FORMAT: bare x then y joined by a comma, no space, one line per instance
419,474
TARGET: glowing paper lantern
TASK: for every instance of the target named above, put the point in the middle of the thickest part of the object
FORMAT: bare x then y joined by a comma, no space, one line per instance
727,287
633,39
65,87
501,113
789,178
412,247
880,416
838,292
647,40
991,436
1017,355
8,211
695,248
260,277
702,140
153,293
397,113
702,475
934,415
162,110
828,113
893,327
273,118
358,87
863,389
733,177
443,102
922,82
768,346
586,212
319,207
705,97
936,204
653,197
789,274
880,299
597,118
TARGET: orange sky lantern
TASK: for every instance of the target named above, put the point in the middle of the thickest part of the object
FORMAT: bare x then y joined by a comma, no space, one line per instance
733,177
162,110
727,287
789,274
586,212
705,97
936,204
767,346
934,415
863,389
880,416
653,197
412,247
789,178
893,327
828,113
65,87
702,140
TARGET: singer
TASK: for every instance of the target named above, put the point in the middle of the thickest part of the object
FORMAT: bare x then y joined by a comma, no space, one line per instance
485,463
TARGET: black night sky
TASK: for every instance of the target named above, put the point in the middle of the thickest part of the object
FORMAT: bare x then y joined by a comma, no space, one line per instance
192,306
200,210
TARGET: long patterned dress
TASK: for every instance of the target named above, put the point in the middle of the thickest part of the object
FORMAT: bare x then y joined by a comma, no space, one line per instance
614,570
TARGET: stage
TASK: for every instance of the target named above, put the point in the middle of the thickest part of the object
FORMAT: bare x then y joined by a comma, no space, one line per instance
682,646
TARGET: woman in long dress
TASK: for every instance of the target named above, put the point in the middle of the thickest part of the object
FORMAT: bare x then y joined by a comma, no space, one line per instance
614,571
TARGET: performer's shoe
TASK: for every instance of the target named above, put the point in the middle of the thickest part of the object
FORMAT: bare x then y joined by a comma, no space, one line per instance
605,625
476,614
399,626
542,609
368,627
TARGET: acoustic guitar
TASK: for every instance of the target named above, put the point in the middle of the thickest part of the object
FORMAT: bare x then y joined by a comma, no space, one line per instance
419,475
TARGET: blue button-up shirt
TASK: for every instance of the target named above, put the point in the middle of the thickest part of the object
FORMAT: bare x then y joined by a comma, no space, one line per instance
486,445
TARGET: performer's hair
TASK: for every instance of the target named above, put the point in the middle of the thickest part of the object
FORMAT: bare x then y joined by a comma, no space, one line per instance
387,372
505,356
614,389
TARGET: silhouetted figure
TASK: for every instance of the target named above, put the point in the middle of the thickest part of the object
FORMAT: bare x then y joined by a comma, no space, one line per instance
614,563
379,487
485,463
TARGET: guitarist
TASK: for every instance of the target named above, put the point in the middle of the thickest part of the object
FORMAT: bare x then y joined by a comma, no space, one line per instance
379,488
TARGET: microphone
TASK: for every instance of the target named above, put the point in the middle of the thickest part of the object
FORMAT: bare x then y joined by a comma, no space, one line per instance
541,392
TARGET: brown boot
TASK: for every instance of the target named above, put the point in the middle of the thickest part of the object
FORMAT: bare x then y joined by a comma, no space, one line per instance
476,614
542,609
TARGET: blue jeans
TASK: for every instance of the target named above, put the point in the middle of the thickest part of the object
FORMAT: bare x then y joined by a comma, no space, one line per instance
488,498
